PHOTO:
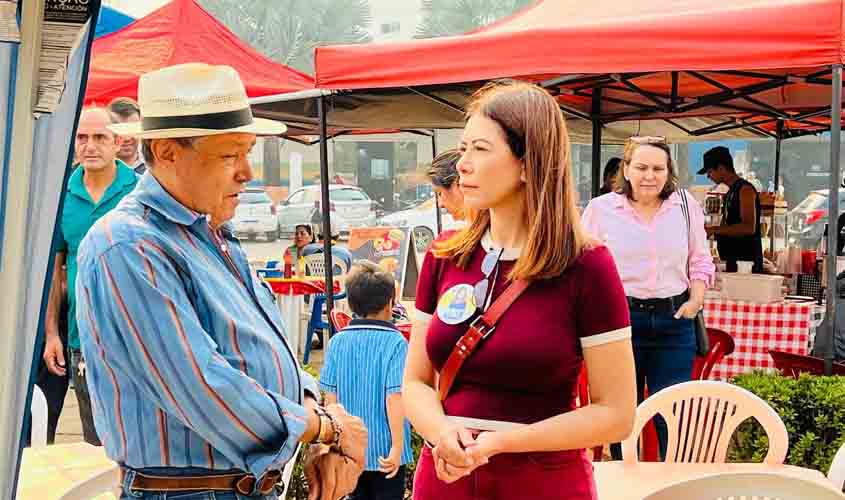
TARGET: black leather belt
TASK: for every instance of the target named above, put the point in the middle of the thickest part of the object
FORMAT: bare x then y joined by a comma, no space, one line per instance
665,305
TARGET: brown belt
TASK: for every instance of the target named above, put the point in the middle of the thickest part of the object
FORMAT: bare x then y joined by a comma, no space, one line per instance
242,483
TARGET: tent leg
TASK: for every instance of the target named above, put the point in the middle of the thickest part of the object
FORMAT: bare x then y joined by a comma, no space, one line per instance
327,221
833,214
777,177
596,163
436,199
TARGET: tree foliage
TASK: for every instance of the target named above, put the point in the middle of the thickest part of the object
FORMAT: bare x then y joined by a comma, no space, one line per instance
287,31
454,17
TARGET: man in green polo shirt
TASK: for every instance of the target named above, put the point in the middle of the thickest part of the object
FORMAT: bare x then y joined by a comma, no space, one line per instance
94,188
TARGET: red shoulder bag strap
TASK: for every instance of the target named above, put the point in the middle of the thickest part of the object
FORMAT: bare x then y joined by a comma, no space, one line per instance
479,329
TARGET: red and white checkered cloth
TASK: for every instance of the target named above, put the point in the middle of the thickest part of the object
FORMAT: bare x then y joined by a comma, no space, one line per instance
757,328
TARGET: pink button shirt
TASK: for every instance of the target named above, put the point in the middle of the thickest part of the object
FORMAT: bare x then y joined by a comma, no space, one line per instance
652,256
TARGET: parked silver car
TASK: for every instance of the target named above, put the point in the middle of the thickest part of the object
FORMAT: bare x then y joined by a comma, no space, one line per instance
423,220
256,215
350,207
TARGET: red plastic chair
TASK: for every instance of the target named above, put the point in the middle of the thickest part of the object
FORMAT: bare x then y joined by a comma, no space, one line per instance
340,319
793,365
404,329
721,345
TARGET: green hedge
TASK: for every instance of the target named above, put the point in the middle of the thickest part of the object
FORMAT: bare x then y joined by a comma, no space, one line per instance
813,409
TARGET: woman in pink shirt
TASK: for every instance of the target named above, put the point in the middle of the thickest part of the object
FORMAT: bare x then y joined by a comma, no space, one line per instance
643,225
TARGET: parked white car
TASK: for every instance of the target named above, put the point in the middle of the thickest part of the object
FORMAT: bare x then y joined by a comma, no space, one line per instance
423,220
350,207
256,215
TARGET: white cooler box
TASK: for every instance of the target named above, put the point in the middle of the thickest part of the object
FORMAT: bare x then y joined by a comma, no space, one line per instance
752,287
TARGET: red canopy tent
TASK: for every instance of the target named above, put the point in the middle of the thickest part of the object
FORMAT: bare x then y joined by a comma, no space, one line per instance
181,32
654,59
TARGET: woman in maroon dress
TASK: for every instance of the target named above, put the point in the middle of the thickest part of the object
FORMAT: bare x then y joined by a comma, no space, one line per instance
509,427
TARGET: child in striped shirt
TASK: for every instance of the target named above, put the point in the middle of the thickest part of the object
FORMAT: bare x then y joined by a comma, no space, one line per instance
363,372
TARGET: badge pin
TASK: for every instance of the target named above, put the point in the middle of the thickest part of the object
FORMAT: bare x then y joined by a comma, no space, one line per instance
457,305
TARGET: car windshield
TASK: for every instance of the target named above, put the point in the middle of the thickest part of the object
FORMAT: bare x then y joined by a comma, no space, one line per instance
347,195
253,197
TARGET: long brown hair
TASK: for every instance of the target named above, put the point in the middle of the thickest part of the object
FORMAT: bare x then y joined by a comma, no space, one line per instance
536,134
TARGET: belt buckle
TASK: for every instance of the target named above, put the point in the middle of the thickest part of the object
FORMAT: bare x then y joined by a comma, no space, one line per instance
481,327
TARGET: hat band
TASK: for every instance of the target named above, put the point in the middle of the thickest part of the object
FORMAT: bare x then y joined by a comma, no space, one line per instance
212,121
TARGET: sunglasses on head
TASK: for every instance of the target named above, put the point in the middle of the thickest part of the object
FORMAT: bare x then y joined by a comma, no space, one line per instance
648,139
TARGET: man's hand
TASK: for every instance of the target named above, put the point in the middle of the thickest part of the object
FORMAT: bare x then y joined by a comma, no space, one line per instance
390,465
353,434
314,454
54,355
338,477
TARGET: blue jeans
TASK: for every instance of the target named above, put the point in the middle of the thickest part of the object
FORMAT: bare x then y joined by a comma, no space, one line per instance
128,494
664,351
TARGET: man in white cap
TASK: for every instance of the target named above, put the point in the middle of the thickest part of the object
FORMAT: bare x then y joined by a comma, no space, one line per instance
194,388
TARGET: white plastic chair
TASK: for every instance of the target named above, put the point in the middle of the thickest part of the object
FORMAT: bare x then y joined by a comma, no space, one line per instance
107,481
836,473
747,486
38,408
315,265
701,417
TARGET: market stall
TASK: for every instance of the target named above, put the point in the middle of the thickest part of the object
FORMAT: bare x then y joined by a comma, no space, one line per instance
741,69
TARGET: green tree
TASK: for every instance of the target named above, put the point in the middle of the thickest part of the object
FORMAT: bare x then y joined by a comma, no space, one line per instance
288,30
454,17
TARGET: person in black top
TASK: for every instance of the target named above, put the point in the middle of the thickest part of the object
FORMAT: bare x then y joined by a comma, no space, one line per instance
738,237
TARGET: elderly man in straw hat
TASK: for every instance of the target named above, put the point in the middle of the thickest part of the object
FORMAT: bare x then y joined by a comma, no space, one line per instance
195,390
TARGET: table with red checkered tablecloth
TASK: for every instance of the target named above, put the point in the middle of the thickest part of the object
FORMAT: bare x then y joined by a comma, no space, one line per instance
756,328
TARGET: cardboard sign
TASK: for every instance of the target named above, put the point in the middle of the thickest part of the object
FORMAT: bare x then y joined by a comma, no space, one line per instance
389,247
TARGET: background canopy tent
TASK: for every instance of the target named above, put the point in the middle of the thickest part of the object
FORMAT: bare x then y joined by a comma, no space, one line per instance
704,69
180,32
111,20
685,69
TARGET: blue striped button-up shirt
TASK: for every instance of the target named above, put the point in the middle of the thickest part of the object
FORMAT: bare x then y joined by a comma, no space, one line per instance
186,359
364,364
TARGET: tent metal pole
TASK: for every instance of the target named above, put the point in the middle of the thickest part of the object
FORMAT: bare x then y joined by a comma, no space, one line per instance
436,199
778,142
833,215
596,163
325,205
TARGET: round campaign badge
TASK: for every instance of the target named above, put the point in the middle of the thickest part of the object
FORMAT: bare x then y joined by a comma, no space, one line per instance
456,305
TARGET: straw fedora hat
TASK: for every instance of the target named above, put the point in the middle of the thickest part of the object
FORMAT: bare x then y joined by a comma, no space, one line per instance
191,100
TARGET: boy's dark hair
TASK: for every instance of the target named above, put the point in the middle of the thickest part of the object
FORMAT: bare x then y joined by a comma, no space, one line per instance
369,288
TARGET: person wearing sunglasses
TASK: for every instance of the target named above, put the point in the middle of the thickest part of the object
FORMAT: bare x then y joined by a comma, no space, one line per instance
664,267
504,424
443,174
